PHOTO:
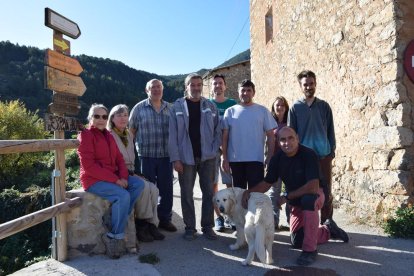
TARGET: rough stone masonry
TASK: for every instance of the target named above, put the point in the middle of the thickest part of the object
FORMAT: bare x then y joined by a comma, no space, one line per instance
356,48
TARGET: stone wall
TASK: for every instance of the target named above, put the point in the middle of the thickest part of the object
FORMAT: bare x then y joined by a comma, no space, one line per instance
233,74
356,50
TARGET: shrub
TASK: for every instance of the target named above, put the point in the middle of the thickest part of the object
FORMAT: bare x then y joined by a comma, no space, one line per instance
402,224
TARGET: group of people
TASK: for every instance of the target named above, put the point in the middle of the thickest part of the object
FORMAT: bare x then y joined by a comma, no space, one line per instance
194,135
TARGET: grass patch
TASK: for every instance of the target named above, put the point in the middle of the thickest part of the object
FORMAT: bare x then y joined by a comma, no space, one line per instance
150,258
402,224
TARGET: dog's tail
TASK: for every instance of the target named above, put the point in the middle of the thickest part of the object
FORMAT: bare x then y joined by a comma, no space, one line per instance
259,242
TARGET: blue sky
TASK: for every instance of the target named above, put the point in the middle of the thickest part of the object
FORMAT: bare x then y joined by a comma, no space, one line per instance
159,36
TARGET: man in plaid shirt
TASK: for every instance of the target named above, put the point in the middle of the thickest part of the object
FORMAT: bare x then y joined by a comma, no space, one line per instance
149,122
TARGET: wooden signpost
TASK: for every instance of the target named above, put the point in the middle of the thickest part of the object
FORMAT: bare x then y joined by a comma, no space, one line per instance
61,76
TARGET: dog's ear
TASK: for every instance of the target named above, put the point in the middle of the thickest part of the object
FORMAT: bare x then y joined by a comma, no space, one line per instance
231,204
214,199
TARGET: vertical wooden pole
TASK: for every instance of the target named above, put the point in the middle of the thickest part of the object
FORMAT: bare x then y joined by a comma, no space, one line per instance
61,231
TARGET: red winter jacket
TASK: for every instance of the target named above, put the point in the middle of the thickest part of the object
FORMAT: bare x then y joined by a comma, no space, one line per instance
100,158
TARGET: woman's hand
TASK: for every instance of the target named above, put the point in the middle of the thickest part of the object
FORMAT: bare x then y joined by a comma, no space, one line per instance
122,182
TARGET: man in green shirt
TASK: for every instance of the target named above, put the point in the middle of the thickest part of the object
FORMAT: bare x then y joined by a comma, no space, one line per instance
218,87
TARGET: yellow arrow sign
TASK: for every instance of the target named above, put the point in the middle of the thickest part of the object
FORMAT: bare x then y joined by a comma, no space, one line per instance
63,82
61,44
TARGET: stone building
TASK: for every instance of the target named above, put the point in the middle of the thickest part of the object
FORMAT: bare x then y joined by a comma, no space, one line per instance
356,48
233,73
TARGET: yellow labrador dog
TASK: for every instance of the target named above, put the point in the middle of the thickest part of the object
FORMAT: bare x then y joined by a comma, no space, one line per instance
254,225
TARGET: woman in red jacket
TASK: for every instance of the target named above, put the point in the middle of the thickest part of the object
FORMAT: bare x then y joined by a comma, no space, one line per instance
103,172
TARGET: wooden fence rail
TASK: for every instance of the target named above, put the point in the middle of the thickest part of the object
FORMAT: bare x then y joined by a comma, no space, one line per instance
14,226
18,146
59,144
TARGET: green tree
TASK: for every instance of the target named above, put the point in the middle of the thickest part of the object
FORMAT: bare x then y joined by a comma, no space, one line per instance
18,123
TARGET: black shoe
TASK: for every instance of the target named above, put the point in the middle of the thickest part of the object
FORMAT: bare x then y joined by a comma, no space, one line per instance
167,226
307,258
153,230
209,234
219,224
143,234
336,232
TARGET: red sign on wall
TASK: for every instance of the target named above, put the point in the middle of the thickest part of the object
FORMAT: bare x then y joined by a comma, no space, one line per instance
409,60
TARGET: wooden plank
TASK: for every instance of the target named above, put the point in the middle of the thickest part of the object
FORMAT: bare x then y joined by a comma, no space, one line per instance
55,122
60,81
62,62
59,108
65,98
14,226
20,146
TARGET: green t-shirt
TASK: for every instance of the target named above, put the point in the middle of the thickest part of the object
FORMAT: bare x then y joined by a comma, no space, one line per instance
224,105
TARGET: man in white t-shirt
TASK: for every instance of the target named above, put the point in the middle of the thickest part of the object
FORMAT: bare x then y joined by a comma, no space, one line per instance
246,128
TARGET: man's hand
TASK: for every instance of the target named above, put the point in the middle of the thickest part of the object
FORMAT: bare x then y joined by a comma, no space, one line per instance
178,166
245,199
225,165
280,201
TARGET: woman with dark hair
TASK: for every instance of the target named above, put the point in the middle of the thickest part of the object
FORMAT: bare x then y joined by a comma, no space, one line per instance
279,110
103,172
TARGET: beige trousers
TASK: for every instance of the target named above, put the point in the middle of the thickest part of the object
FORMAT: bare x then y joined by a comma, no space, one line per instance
147,203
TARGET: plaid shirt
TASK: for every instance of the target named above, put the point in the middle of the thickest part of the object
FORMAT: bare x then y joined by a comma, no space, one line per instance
151,137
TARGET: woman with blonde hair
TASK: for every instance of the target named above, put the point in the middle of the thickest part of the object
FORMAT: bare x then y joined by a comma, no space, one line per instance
146,215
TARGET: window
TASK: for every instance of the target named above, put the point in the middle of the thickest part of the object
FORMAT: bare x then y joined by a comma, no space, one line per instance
269,25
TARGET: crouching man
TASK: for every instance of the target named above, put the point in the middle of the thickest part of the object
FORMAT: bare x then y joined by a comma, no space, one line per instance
298,167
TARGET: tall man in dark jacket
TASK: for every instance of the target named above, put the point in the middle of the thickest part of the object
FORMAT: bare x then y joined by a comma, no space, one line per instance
312,119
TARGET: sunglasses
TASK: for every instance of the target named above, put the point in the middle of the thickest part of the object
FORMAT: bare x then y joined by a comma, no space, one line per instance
104,117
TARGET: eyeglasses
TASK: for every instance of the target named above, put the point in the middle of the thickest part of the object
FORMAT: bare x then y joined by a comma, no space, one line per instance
96,116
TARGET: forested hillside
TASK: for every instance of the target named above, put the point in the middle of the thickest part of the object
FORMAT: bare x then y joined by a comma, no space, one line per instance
108,81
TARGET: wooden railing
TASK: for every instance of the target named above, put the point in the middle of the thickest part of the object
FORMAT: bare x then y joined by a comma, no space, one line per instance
61,205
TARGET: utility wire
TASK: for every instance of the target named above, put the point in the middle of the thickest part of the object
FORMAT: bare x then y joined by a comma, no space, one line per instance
244,25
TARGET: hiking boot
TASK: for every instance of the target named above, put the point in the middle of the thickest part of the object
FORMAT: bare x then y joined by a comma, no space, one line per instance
219,224
167,225
143,234
209,234
153,230
111,246
336,232
190,234
307,258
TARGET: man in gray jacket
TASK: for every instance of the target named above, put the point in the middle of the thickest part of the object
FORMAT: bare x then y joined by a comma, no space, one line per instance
194,140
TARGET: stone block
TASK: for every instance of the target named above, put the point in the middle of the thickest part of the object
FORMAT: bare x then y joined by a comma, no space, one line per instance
85,226
391,95
390,137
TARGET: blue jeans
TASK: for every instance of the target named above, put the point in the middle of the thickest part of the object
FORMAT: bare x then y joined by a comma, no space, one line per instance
160,172
122,202
206,171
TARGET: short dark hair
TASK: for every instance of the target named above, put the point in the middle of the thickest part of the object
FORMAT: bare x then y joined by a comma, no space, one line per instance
247,83
306,74
220,76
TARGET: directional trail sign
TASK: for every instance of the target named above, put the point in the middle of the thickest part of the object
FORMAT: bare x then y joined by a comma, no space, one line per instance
62,62
55,123
61,24
63,82
60,44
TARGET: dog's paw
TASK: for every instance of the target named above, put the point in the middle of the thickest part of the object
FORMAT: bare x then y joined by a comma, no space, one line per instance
234,246
245,263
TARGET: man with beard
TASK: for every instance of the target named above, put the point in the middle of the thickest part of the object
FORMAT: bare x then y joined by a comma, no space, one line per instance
195,137
312,119
246,127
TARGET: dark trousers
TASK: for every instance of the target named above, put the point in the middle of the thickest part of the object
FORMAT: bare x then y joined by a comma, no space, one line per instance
326,168
247,174
160,172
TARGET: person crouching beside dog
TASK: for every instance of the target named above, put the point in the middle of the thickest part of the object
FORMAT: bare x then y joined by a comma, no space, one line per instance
298,167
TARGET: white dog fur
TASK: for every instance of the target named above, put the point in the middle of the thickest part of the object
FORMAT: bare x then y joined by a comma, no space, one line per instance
256,224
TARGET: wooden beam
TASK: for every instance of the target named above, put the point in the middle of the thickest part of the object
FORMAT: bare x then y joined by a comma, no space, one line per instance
14,226
17,146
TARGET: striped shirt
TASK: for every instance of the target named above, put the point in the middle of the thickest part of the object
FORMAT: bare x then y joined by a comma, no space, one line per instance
151,137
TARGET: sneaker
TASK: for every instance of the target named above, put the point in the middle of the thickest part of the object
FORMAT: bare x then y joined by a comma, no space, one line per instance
227,223
219,224
190,234
336,232
209,234
153,230
307,258
143,234
167,226
111,246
